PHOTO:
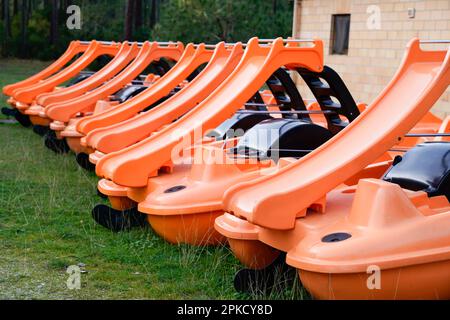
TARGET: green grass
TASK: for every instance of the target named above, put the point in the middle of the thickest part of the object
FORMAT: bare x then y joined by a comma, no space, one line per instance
13,70
45,226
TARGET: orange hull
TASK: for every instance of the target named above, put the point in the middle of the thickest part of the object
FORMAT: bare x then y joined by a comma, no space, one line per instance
121,203
194,229
425,281
36,120
253,254
75,145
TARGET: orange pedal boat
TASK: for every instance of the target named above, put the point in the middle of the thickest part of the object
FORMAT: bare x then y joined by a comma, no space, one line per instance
383,238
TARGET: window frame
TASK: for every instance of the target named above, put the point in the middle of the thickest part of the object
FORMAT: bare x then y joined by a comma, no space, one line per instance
333,34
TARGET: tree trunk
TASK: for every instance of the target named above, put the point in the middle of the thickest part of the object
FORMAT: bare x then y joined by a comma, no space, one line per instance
24,26
31,7
6,20
153,13
129,20
158,10
138,14
54,23
15,7
7,27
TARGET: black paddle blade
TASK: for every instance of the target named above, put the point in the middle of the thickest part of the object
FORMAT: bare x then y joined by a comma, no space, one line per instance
276,275
40,130
23,119
117,220
9,112
55,144
101,195
83,161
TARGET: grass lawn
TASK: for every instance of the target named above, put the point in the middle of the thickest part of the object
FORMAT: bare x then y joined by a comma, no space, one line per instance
45,226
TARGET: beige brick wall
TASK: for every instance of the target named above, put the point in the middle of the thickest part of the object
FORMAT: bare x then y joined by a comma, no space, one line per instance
373,55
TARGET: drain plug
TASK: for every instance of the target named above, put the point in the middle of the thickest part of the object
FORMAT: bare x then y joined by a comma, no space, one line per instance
175,189
336,237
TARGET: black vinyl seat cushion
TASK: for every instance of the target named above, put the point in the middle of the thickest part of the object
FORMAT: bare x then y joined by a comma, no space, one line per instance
425,167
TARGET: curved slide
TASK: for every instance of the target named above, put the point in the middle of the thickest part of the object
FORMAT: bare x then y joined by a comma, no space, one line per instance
74,48
95,50
63,111
124,134
127,52
133,165
192,58
275,201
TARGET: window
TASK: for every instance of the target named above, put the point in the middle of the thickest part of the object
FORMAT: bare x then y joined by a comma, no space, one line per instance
340,30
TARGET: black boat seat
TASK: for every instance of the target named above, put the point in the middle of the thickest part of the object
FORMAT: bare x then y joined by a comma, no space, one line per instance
425,167
275,138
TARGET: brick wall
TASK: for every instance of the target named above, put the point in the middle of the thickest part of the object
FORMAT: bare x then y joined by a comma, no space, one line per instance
374,54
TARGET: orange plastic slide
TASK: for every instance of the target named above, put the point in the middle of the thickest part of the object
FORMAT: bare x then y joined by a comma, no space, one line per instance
124,134
127,52
74,48
132,166
274,202
25,96
64,111
193,57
